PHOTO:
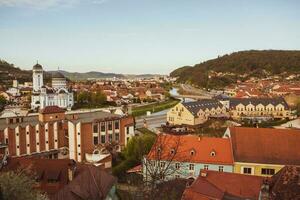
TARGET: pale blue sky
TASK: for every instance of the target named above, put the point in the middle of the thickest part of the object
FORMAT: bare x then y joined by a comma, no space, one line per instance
141,36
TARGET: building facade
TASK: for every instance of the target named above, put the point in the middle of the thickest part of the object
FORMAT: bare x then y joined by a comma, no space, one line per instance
259,108
263,151
195,113
174,156
57,95
55,133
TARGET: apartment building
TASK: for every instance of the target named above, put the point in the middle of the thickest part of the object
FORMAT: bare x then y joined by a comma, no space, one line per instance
55,133
195,113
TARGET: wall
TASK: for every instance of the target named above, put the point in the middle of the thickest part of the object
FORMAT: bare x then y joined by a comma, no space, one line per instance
256,168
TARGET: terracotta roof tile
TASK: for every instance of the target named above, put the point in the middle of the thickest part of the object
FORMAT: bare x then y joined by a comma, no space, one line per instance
266,145
52,109
218,185
185,144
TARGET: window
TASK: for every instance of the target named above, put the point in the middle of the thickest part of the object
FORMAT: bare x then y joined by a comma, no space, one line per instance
117,136
95,128
17,134
177,165
266,171
192,152
96,140
206,167
247,170
110,126
110,137
37,143
27,133
28,145
102,127
11,121
213,153
221,168
117,124
127,129
18,147
46,130
79,154
78,133
191,167
162,164
177,176
47,142
6,140
172,151
78,145
55,140
103,140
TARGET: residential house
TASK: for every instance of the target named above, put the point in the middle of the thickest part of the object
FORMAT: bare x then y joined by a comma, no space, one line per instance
185,155
195,113
223,186
64,178
263,151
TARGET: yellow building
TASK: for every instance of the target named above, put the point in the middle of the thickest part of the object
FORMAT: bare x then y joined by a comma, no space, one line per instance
263,151
259,107
194,113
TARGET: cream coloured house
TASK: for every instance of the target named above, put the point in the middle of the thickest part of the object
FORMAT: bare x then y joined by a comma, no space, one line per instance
275,108
194,113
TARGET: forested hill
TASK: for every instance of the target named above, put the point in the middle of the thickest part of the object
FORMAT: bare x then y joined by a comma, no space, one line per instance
9,72
238,66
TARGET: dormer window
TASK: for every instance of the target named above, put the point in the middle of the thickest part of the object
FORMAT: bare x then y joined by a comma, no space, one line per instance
192,152
172,151
213,153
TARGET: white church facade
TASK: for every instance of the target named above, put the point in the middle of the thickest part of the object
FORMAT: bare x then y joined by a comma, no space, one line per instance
57,95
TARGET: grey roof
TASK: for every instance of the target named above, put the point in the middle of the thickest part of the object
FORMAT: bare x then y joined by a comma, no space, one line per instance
195,106
57,75
255,101
83,117
37,67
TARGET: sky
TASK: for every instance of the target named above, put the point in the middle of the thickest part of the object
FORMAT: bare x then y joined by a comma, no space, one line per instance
141,36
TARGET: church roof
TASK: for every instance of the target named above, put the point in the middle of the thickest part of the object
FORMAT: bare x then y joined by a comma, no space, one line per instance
37,67
57,75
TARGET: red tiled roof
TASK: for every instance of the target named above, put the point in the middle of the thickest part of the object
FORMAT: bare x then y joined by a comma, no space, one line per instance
135,169
185,144
265,145
217,185
52,109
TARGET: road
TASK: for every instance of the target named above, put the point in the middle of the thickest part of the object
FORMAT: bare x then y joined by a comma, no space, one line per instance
153,121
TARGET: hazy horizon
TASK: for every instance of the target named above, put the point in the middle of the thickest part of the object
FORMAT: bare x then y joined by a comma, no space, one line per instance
141,36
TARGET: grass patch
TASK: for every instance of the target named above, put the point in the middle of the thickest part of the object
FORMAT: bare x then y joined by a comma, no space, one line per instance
142,110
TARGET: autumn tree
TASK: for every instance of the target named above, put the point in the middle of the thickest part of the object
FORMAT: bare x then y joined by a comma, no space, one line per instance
18,186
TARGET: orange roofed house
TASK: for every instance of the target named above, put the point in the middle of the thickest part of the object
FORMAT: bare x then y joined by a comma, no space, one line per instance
183,156
284,185
223,185
63,179
263,151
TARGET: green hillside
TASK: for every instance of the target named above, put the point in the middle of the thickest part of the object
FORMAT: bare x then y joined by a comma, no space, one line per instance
239,66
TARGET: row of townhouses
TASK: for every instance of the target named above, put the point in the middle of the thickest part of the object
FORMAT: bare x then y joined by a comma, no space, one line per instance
251,151
195,113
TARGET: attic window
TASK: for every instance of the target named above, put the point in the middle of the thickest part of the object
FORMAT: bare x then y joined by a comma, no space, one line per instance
213,153
172,151
192,152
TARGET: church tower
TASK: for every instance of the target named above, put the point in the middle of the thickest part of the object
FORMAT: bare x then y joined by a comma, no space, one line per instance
37,77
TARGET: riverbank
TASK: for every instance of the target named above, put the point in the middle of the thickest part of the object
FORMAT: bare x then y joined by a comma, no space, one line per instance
153,108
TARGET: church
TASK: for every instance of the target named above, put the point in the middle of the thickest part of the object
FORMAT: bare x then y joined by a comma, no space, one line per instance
57,95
